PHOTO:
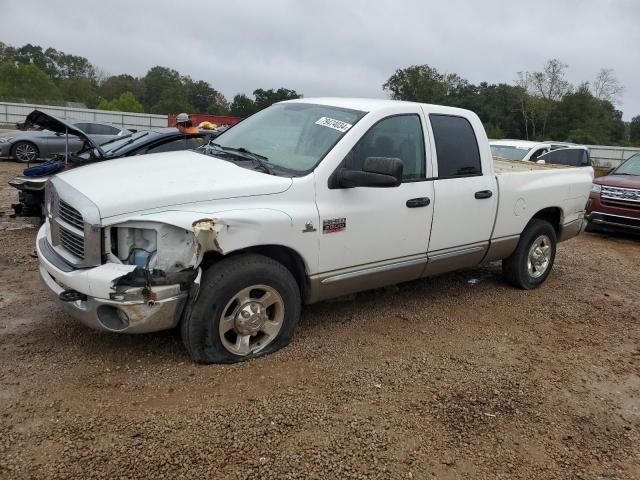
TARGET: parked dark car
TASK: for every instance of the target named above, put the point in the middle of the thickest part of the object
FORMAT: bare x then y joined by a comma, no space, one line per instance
36,142
31,184
614,201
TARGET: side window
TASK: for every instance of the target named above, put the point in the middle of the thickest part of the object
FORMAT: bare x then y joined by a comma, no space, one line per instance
99,129
575,157
170,146
400,137
456,146
83,126
195,142
537,154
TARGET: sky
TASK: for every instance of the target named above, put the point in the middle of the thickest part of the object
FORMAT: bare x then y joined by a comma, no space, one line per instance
337,48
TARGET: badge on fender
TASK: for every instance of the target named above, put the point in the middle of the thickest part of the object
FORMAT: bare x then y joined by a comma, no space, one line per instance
334,225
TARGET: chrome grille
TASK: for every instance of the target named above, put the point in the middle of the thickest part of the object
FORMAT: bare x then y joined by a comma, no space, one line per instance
72,242
74,223
621,194
70,215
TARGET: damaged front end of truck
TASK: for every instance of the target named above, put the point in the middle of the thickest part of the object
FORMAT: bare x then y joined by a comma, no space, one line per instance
165,261
133,276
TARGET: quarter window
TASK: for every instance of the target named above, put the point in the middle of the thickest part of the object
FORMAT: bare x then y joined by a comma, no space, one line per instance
456,146
394,137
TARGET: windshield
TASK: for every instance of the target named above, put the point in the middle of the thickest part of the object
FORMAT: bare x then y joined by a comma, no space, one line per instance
114,146
293,137
629,167
509,152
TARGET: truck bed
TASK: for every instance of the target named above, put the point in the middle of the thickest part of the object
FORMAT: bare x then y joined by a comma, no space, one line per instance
526,188
501,165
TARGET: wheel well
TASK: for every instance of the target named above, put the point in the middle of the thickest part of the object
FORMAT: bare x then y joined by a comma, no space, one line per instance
25,141
284,255
553,215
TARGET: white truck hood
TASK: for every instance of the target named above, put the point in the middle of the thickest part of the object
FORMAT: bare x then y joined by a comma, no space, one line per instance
134,184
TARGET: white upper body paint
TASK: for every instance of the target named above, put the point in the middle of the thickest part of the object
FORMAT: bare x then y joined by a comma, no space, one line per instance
254,208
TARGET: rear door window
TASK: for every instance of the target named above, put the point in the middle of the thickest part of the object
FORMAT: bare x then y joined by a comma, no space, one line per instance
456,146
575,157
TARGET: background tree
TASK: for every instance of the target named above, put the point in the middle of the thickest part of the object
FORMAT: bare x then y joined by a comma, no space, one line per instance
126,102
158,84
204,98
607,87
80,90
582,118
266,98
27,83
634,130
114,86
242,106
497,107
540,93
422,83
7,53
539,105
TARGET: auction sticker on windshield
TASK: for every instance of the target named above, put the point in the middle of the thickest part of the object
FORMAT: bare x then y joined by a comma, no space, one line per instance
335,124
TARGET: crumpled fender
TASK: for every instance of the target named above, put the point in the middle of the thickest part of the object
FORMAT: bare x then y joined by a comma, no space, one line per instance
224,231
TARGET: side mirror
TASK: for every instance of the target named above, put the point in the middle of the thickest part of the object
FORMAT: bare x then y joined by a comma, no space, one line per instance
376,172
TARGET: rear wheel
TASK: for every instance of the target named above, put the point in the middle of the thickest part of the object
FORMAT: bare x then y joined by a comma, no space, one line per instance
530,264
25,152
248,306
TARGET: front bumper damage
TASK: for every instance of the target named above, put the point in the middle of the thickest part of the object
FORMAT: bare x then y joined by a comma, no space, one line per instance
118,298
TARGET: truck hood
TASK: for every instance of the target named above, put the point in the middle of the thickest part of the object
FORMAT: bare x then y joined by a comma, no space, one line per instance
160,180
623,181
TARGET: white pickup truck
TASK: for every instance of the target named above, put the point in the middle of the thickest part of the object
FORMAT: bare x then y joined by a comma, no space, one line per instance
306,200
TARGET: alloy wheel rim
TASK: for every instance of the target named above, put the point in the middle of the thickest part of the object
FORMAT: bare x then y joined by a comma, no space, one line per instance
539,256
25,152
251,320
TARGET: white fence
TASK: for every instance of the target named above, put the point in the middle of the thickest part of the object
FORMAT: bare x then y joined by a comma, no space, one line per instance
11,113
604,156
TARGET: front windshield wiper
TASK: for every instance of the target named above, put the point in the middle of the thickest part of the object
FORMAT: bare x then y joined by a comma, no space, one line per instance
258,160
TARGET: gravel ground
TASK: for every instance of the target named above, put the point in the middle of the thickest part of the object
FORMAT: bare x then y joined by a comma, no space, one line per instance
458,376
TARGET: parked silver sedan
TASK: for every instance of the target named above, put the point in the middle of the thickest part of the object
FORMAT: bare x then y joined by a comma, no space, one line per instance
31,145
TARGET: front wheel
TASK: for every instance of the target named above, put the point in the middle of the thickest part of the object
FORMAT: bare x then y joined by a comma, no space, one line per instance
248,305
530,264
25,152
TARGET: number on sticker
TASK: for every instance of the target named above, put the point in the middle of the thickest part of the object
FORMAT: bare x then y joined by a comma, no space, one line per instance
333,123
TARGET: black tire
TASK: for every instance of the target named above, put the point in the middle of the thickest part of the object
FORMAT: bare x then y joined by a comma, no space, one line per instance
19,149
515,268
220,284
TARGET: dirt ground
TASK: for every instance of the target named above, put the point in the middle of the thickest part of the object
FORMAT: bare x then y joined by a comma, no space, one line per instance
458,376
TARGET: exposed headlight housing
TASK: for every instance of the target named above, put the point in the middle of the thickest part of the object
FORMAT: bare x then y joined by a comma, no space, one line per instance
150,245
5,139
595,188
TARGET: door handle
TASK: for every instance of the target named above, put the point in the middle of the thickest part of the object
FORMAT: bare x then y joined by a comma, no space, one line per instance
484,194
418,202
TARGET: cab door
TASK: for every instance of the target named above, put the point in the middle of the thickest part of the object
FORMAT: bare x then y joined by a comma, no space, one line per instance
374,236
466,195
